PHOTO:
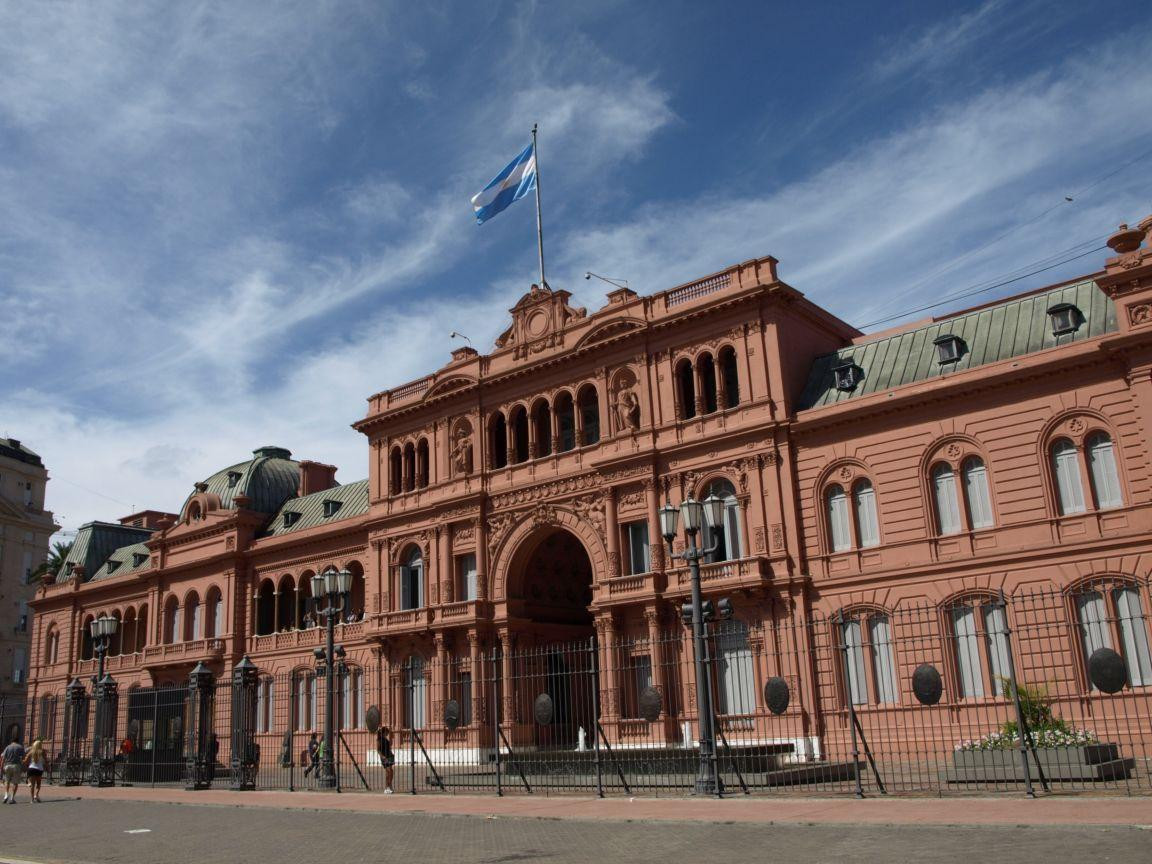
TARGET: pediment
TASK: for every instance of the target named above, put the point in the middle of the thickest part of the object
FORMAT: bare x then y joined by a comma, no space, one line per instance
609,330
449,385
539,320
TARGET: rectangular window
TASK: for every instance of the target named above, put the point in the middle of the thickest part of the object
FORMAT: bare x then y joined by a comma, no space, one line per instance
1071,493
967,652
947,507
838,520
1093,623
735,677
854,663
883,663
1105,480
976,492
22,623
996,637
27,570
866,522
1134,636
641,673
638,551
18,661
466,577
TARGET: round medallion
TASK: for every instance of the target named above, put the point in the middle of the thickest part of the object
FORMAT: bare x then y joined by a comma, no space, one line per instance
651,701
372,718
452,714
776,695
1106,671
543,709
927,684
536,323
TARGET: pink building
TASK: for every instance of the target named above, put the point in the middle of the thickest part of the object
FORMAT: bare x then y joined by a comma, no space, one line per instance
891,501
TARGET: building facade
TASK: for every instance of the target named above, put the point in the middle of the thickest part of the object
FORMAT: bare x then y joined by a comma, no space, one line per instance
512,504
25,529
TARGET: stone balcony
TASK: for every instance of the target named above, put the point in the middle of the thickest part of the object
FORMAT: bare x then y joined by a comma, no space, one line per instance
722,576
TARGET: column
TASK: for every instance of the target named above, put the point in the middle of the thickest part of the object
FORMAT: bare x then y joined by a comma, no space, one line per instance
481,531
655,651
509,696
612,527
533,446
439,680
555,427
609,684
699,380
655,540
474,665
275,610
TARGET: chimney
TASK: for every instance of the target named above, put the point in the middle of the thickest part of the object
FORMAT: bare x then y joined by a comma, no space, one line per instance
315,477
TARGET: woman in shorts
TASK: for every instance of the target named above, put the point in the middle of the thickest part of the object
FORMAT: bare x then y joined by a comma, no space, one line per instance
34,763
387,758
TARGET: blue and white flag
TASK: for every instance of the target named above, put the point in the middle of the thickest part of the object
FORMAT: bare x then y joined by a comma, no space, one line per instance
511,184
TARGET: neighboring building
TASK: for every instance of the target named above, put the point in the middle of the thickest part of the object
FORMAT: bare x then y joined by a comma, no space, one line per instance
512,501
25,529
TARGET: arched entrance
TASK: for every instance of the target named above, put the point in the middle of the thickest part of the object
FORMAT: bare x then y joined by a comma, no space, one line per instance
550,585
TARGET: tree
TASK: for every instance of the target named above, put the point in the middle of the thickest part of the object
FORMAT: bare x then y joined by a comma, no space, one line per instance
54,563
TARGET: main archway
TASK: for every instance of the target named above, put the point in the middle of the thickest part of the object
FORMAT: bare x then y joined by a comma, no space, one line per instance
549,585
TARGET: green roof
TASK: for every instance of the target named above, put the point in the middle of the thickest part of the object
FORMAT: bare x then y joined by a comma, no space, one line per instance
95,542
349,500
123,560
996,332
269,479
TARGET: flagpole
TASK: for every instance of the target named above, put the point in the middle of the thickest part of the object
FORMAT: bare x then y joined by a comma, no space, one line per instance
539,221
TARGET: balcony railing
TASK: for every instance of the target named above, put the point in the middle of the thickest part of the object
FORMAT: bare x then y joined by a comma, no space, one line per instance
737,573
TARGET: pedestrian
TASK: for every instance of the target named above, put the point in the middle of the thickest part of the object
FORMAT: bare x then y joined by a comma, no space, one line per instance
313,755
12,760
387,757
34,762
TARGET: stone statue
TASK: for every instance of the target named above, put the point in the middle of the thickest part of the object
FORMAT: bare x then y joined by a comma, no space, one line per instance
462,452
627,408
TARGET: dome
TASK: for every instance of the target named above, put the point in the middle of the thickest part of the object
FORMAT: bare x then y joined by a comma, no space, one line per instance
269,478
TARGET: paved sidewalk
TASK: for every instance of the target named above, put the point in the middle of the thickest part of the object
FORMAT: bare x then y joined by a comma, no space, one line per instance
1013,810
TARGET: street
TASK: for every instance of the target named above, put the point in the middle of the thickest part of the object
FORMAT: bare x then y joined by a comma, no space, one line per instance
93,830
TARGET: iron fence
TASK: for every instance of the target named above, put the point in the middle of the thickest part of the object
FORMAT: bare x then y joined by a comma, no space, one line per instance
1044,690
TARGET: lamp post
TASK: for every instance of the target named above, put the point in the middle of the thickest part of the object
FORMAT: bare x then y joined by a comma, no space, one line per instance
332,586
696,514
104,689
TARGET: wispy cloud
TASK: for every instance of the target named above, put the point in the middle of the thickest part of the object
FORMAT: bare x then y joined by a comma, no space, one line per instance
941,43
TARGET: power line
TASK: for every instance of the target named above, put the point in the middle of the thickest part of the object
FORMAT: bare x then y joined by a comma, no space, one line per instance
972,293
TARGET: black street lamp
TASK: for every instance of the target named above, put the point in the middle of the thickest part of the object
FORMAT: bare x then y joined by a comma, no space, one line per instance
333,586
104,689
696,514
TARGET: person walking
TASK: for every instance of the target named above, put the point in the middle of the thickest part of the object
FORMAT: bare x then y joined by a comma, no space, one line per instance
313,755
34,762
387,757
12,760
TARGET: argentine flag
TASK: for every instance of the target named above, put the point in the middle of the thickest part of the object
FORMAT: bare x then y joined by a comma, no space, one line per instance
511,184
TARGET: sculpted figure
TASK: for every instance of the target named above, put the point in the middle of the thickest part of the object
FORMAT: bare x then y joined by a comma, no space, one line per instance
462,453
627,408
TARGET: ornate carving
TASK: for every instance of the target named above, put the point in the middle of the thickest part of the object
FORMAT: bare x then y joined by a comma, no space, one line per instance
627,406
777,537
498,527
549,491
1076,425
230,542
591,509
1140,313
758,539
633,497
953,451
613,563
656,550
463,534
462,449
544,514
846,473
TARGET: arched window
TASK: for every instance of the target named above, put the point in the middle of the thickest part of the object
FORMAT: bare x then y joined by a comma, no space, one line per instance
214,614
729,378
170,630
839,521
1102,471
422,464
52,645
519,421
409,467
266,608
566,421
686,389
976,495
944,495
727,535
142,628
395,471
304,695
542,424
285,604
706,369
130,626
352,699
192,617
735,676
265,704
1113,617
867,521
415,693
116,643
980,646
869,660
498,440
356,595
1066,471
588,404
412,580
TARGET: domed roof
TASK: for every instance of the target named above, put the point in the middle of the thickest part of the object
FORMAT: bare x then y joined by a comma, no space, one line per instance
269,479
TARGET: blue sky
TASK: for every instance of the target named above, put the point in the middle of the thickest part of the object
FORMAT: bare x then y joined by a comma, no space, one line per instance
224,225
